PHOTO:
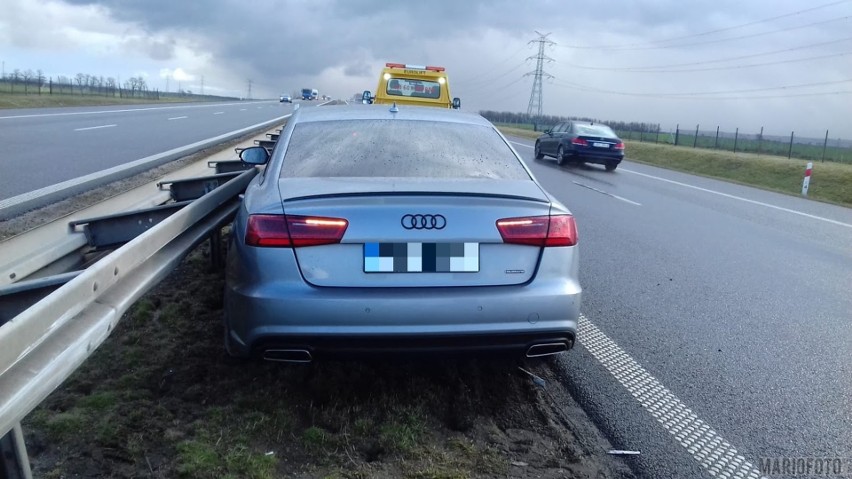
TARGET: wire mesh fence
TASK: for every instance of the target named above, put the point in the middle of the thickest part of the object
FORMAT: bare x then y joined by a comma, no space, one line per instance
792,146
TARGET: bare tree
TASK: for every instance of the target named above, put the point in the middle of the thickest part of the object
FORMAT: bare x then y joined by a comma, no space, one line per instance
81,80
28,76
40,80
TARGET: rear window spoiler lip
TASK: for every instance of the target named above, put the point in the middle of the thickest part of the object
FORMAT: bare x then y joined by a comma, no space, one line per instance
416,193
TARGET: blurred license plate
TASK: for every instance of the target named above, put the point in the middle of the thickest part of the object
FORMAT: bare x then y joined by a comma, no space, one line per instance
421,257
600,145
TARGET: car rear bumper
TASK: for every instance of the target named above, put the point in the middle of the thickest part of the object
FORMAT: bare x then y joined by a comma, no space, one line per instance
591,157
330,322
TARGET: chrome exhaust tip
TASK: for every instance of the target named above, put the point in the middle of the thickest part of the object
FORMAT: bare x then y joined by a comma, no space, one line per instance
546,349
288,355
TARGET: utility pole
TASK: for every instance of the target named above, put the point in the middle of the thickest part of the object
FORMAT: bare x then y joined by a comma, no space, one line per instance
248,97
534,108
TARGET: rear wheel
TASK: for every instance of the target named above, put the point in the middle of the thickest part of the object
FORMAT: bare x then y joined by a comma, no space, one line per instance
538,153
560,155
611,165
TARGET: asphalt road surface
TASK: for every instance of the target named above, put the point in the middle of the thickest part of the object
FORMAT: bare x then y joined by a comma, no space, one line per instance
718,319
45,146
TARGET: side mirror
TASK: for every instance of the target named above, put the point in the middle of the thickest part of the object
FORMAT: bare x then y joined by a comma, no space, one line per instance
366,97
456,103
255,155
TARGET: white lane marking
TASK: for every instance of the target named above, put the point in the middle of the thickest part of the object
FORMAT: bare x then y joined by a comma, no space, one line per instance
219,113
714,453
94,127
726,195
740,198
178,118
129,110
606,193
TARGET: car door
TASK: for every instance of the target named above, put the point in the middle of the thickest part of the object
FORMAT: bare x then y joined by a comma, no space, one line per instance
549,141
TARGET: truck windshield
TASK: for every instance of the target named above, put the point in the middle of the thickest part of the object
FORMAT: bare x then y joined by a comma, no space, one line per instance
414,88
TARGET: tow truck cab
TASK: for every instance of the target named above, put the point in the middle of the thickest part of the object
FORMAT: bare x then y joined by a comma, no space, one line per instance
413,85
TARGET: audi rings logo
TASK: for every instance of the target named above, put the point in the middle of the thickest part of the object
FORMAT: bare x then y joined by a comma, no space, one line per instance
423,222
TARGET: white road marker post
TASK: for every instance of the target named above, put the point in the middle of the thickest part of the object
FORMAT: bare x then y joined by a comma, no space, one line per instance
807,180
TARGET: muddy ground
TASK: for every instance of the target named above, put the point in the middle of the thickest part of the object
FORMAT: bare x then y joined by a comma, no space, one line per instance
161,399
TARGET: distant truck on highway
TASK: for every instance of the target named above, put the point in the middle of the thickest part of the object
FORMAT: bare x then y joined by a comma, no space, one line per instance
309,94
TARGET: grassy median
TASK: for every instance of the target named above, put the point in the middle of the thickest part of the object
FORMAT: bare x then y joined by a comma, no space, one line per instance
17,100
160,399
830,182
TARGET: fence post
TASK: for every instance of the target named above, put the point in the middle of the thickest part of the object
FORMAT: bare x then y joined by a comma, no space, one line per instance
736,137
824,145
716,143
677,133
790,151
50,86
695,140
760,140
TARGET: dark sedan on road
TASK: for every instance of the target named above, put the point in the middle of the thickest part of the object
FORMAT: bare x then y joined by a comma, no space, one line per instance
581,142
398,230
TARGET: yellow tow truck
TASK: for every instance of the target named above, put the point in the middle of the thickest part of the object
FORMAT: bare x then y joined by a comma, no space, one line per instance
412,85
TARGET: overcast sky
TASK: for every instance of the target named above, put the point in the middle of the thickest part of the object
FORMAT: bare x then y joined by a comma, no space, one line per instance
704,62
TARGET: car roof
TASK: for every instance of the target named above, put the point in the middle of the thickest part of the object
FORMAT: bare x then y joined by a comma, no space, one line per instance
381,112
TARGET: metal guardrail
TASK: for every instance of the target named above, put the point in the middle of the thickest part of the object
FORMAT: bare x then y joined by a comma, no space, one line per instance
44,345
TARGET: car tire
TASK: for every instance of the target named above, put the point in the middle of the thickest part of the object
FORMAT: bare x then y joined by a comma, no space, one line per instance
538,154
560,155
611,166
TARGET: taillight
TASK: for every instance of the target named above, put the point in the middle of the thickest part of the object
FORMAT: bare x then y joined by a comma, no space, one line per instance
539,230
579,142
291,231
619,145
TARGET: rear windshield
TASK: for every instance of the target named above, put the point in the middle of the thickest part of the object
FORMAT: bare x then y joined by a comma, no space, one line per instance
399,149
595,130
414,88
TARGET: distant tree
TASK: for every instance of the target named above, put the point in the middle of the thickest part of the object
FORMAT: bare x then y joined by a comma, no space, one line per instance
80,79
28,76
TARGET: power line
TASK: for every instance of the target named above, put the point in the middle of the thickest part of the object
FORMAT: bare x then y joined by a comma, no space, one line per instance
751,35
495,66
627,46
534,106
707,94
490,79
729,67
707,62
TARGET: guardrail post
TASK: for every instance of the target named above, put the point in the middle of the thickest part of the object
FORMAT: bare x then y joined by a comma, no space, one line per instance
216,260
14,463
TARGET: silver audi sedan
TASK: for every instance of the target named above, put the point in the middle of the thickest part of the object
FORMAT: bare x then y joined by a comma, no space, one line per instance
376,229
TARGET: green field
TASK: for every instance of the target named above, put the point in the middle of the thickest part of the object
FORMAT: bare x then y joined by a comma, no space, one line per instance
830,182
